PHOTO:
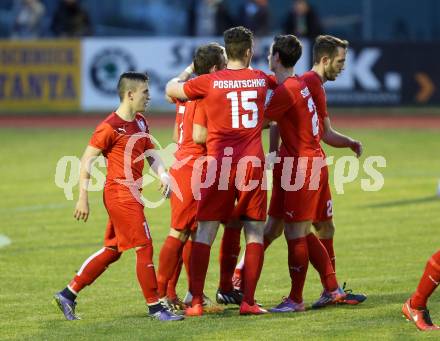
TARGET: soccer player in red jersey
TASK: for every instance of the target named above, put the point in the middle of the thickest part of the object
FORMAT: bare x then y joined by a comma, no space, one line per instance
329,54
328,61
234,99
297,178
207,59
415,308
124,140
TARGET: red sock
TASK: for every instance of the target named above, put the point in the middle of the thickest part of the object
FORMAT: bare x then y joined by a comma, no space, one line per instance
145,273
186,257
321,262
229,252
298,260
168,259
172,283
429,281
199,267
328,244
266,243
94,266
253,263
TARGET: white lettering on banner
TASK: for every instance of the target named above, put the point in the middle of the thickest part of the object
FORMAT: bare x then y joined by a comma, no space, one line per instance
358,69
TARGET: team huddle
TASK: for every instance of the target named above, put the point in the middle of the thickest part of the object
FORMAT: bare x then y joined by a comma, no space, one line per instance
219,177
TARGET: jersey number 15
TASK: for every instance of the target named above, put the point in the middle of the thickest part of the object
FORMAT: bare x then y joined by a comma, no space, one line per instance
247,103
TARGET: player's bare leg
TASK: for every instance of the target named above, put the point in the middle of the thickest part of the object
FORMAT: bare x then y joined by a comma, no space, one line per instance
206,232
253,260
200,253
273,229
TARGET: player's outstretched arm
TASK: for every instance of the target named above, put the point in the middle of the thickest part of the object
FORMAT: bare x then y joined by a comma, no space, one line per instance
157,165
82,205
174,87
338,140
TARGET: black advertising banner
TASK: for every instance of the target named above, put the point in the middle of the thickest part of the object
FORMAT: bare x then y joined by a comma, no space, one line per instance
387,74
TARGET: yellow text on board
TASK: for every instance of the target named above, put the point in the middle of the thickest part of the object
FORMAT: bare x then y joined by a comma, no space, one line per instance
40,75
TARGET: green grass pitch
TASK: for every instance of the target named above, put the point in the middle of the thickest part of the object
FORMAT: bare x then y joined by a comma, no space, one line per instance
382,243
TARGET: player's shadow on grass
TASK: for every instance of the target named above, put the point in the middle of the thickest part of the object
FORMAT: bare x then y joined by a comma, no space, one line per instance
403,202
228,312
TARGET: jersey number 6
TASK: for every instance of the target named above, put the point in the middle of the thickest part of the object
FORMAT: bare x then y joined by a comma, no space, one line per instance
247,104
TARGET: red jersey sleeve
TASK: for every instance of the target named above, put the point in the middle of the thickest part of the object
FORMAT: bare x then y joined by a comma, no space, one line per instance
103,137
200,115
318,94
197,87
280,102
272,82
148,143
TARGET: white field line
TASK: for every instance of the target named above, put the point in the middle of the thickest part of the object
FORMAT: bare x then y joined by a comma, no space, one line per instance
4,241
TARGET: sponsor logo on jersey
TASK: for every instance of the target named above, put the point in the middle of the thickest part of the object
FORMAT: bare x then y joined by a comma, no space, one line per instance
305,92
141,125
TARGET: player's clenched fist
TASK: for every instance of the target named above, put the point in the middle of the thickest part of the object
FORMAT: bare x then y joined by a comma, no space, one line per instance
356,147
81,210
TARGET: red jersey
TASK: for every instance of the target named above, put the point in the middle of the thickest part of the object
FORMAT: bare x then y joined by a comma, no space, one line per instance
118,138
185,112
316,87
292,107
234,101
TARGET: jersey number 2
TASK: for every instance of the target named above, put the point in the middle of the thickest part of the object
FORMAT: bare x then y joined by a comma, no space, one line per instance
246,104
315,120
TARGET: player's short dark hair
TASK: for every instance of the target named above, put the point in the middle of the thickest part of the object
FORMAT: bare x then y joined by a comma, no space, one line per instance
289,49
127,81
327,45
207,56
237,41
